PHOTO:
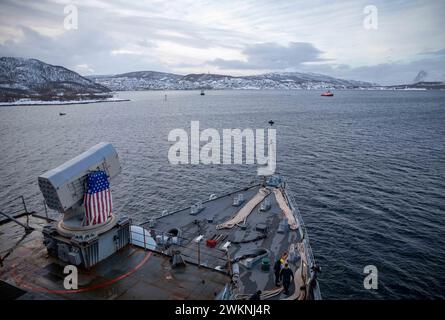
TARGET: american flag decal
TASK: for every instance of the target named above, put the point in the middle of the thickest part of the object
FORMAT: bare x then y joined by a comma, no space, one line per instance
97,199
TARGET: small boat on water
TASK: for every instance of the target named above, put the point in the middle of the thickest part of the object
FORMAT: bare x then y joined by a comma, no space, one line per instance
62,114
202,93
327,94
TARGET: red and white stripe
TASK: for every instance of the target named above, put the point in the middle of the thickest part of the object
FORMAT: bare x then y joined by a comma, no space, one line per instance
98,207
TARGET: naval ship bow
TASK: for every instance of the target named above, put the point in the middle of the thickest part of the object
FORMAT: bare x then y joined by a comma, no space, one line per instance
224,247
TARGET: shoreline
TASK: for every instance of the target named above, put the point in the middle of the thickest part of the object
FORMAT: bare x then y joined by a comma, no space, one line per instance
57,103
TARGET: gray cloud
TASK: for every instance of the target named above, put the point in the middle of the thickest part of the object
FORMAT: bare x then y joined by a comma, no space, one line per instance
296,57
102,32
435,53
269,55
201,35
177,31
387,73
89,47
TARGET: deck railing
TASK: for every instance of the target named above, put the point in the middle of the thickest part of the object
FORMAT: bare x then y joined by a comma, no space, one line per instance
306,244
16,209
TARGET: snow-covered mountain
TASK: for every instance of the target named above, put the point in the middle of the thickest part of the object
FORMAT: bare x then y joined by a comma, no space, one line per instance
31,78
150,80
422,85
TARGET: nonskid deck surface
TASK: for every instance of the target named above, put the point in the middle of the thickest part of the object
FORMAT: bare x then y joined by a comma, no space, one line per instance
135,273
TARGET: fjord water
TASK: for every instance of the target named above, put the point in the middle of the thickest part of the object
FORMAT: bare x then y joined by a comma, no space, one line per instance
367,169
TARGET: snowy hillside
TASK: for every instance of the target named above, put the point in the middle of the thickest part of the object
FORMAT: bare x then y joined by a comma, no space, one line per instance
31,78
149,80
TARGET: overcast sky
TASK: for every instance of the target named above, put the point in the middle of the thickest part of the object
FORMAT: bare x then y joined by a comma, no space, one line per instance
232,37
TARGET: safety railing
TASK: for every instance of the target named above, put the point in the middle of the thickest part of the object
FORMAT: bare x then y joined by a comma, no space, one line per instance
14,203
14,213
306,245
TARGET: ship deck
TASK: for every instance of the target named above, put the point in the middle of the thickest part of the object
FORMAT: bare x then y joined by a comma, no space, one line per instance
218,211
136,272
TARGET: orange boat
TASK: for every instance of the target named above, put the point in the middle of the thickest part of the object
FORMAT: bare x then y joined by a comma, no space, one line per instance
327,94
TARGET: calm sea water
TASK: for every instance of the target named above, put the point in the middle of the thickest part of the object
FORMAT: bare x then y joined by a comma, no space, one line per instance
367,169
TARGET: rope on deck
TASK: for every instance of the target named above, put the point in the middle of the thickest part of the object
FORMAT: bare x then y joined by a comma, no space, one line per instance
285,208
245,211
264,295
